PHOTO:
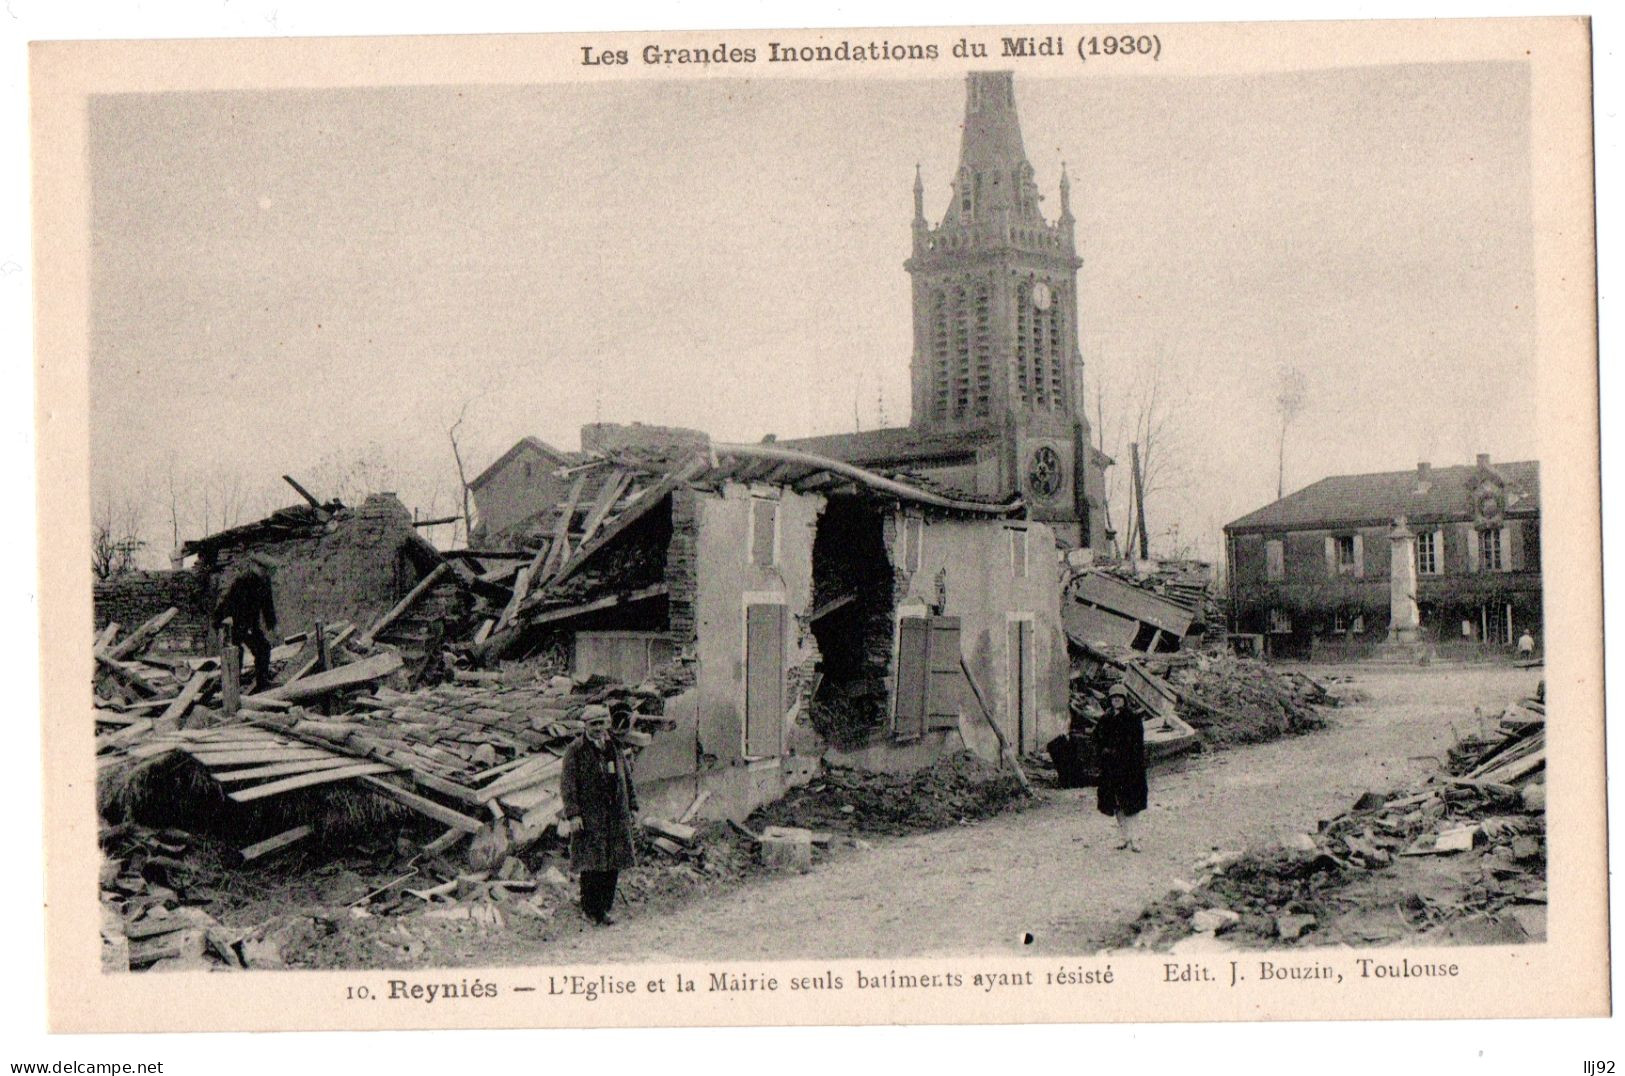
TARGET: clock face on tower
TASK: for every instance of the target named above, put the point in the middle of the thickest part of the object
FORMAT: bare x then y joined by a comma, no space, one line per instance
1041,295
1045,473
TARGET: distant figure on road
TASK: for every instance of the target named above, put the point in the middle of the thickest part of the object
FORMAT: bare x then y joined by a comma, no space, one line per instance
1120,755
247,603
600,808
1526,645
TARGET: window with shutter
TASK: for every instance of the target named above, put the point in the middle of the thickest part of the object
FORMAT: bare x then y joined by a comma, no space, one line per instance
1427,553
764,521
928,675
764,680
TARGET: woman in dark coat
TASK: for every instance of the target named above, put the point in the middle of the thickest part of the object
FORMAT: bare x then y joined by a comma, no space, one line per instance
600,808
1120,754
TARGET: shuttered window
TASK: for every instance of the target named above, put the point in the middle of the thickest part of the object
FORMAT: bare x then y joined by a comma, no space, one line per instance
764,520
928,675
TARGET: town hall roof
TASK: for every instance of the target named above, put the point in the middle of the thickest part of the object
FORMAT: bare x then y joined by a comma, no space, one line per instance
1343,500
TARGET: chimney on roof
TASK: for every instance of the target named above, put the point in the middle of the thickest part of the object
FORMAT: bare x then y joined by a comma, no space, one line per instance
1483,461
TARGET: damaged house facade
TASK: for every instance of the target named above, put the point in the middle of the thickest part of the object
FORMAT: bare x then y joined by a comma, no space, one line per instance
334,564
1314,572
807,609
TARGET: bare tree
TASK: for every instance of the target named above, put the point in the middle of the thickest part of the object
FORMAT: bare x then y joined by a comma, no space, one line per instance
462,474
115,536
1290,399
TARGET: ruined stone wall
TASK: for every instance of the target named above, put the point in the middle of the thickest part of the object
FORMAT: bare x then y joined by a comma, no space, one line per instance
355,569
134,598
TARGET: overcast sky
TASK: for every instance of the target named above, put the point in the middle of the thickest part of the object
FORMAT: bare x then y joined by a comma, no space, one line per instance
288,282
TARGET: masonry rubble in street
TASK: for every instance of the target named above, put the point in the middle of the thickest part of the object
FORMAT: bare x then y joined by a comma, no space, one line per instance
1480,819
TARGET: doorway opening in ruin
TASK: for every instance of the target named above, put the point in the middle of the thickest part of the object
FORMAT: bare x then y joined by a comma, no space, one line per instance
853,610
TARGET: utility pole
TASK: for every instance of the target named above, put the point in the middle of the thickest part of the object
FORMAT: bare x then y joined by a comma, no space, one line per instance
1139,502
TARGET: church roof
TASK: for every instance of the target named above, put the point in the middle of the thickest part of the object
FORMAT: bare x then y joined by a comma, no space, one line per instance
897,445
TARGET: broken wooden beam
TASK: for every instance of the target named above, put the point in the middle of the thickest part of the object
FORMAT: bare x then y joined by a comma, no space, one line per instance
305,780
424,805
126,677
675,831
310,498
142,637
694,808
354,674
998,733
609,601
171,717
404,604
275,844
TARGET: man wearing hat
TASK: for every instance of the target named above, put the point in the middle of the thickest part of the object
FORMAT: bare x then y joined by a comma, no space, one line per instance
600,808
247,603
1120,754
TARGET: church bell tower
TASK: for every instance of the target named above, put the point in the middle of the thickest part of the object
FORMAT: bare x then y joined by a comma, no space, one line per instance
996,319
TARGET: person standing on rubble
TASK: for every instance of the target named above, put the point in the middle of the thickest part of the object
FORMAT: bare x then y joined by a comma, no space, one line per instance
1119,738
246,604
600,809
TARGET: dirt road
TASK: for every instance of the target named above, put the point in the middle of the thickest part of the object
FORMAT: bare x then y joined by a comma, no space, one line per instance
1051,872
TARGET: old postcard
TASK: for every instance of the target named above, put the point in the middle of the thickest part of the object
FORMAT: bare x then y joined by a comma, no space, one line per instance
1000,524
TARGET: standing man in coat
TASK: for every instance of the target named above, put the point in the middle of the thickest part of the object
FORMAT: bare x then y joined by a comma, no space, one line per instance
1120,753
246,604
600,809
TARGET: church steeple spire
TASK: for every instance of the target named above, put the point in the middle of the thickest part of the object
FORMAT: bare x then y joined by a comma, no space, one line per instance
995,179
919,197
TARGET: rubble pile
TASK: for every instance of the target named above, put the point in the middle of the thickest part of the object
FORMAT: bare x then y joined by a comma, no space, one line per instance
1462,859
1233,700
958,788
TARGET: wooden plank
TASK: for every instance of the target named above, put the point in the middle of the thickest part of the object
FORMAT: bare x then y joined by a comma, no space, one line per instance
275,844
831,606
281,769
344,630
404,604
677,831
559,548
538,768
231,675
637,510
426,806
243,758
1125,599
142,637
521,587
608,496
321,777
549,616
694,808
125,736
106,637
530,799
310,498
125,676
360,672
445,841
193,690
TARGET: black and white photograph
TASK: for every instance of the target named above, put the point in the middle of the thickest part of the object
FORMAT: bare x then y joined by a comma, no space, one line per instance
860,519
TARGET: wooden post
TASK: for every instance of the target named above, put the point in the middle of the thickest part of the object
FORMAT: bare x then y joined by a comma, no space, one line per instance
372,633
1139,503
231,672
323,663
998,733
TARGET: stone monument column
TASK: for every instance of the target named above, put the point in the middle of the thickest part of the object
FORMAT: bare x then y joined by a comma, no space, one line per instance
1403,618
